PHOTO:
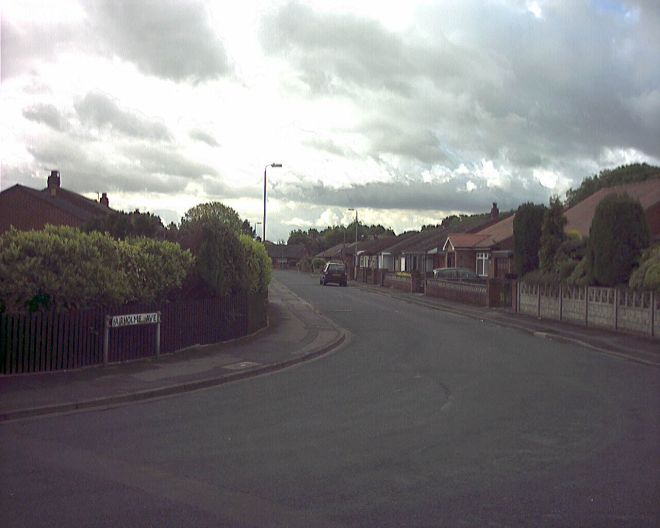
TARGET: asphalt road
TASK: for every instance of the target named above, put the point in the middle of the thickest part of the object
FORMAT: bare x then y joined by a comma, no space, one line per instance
423,418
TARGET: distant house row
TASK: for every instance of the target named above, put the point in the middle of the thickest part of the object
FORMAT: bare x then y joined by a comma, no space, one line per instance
483,245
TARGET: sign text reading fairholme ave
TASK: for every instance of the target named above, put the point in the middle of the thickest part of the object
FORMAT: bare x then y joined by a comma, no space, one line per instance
134,319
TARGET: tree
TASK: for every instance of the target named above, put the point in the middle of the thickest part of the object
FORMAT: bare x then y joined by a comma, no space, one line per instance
211,212
247,229
552,233
122,225
526,237
635,172
618,235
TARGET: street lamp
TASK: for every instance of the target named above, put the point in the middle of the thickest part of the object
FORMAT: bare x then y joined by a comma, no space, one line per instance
274,165
356,236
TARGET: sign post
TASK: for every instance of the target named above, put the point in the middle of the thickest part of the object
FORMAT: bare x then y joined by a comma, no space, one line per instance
118,321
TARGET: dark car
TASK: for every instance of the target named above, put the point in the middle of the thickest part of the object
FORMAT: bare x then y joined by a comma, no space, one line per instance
455,274
334,272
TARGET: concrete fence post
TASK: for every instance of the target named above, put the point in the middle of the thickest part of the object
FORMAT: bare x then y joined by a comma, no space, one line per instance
586,306
616,308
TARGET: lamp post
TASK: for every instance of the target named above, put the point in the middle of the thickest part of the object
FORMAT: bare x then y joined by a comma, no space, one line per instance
355,264
274,165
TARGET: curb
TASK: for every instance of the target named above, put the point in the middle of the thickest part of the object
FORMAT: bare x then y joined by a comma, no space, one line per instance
169,390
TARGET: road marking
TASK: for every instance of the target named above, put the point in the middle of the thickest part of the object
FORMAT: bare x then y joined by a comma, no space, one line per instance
242,365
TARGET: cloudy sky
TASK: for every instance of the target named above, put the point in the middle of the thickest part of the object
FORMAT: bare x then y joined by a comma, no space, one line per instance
408,111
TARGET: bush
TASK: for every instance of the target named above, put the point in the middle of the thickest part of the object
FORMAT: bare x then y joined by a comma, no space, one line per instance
647,275
220,261
154,269
526,237
317,264
552,234
62,267
257,263
617,237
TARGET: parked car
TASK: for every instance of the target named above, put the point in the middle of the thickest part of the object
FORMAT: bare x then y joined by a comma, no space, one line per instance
455,274
334,272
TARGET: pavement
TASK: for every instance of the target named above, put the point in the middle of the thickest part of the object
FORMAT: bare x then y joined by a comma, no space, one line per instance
641,349
295,333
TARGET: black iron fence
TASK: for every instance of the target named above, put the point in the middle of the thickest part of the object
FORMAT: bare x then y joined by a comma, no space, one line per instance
46,341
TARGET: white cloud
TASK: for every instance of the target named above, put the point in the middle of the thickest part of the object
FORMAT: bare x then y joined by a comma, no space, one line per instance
406,110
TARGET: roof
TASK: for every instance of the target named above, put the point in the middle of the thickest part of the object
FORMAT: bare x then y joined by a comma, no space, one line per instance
466,240
289,251
337,250
72,203
375,245
400,242
579,216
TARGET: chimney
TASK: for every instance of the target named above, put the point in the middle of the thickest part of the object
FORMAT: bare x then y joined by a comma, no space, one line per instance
53,182
104,200
494,212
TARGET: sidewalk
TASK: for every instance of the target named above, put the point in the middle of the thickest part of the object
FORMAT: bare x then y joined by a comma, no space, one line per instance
642,349
295,333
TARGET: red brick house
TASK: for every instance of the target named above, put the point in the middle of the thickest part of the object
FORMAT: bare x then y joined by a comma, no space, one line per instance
25,208
490,251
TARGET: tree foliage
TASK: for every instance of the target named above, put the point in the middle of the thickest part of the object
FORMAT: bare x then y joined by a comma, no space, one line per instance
211,213
526,236
212,232
552,234
62,267
317,241
632,173
122,225
258,266
618,235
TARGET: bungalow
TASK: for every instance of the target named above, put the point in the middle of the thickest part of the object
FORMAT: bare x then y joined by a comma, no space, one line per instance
285,256
489,252
25,208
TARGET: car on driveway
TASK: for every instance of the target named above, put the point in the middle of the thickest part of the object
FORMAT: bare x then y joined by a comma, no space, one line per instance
334,272
456,274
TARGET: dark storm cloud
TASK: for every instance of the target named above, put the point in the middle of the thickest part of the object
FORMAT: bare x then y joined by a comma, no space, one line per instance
46,114
101,111
204,137
172,39
451,195
501,85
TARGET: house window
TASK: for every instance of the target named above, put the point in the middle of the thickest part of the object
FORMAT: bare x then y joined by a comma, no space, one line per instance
482,264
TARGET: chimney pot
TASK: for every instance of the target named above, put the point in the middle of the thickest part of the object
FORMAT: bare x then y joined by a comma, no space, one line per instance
53,182
104,200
